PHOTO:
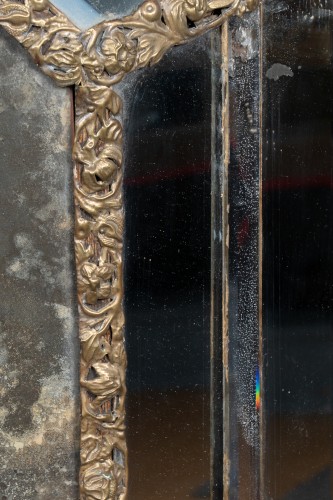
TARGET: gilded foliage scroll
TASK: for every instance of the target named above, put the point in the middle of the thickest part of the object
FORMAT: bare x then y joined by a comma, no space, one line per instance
94,61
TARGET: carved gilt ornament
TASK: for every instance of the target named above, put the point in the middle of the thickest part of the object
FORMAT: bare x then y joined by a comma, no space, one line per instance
93,61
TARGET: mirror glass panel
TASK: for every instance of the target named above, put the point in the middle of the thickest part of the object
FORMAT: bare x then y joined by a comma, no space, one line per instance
241,345
39,347
87,13
167,274
114,8
167,191
298,243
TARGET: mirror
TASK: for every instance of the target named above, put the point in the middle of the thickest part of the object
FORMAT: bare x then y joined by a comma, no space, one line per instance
297,265
87,13
39,348
167,272
167,189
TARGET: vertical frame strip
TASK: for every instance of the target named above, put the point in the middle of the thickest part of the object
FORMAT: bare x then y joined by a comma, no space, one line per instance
225,283
217,232
243,449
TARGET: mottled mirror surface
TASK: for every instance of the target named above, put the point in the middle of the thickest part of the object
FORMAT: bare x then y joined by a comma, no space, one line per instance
167,274
298,248
242,328
88,13
114,7
39,362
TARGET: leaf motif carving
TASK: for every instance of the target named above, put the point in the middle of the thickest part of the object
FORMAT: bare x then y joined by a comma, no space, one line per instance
151,48
98,481
15,17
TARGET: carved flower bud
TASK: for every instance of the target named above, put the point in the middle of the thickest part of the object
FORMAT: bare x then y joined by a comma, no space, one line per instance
151,10
66,41
94,281
195,9
82,228
119,51
99,175
99,482
109,229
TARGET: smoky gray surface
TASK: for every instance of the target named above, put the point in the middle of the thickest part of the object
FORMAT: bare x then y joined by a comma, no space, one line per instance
167,185
118,8
39,405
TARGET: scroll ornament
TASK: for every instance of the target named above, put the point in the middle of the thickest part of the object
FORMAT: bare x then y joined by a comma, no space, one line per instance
94,61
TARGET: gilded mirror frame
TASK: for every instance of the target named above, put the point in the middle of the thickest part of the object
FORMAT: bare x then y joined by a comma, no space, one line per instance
94,61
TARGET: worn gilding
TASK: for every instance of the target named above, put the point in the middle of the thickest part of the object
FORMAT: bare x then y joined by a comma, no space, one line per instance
94,61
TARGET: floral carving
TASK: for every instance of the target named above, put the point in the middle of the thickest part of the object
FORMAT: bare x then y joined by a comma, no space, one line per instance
119,51
15,18
94,282
195,9
99,481
94,61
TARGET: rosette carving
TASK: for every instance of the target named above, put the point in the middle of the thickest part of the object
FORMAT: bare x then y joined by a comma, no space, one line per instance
94,61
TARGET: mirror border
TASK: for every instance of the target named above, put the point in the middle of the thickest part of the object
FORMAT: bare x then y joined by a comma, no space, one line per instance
94,61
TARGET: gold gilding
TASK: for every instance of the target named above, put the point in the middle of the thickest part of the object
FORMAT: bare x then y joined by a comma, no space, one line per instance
95,60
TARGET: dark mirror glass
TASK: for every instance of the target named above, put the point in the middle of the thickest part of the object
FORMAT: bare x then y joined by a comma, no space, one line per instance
298,243
167,274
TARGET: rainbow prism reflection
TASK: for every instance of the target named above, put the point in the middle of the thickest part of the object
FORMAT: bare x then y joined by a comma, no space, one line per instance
257,389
